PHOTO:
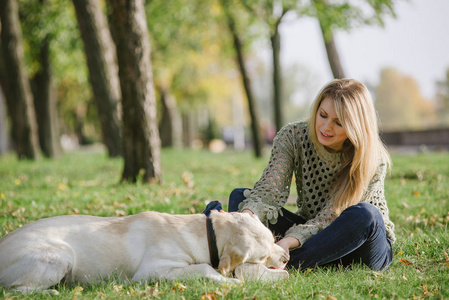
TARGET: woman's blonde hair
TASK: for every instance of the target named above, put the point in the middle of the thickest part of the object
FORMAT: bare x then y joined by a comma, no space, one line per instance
363,151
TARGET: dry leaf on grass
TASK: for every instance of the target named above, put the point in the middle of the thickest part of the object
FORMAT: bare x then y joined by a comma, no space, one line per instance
406,262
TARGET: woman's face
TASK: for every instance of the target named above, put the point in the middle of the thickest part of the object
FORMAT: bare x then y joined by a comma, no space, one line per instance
329,131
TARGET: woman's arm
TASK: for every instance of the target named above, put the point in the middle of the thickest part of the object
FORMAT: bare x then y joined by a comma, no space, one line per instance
271,191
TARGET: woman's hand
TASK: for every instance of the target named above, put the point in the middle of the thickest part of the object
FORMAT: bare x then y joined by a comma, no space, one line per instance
247,211
288,243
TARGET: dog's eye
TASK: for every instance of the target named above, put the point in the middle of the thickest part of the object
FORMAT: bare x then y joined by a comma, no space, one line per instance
284,260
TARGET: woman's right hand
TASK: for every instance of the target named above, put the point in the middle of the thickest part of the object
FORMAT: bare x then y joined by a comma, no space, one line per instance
288,243
247,211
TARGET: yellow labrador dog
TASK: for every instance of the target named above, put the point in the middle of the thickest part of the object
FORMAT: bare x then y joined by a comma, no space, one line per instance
146,246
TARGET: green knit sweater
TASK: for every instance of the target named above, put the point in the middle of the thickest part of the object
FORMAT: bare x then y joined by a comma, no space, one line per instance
315,171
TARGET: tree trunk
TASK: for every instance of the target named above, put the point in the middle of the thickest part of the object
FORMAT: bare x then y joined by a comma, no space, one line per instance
257,142
103,73
332,54
328,39
4,138
170,126
277,78
140,133
188,128
45,104
17,90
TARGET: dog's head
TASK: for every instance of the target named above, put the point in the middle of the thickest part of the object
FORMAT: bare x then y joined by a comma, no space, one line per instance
242,238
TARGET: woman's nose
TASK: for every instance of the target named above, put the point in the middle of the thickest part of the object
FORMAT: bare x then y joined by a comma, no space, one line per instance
327,125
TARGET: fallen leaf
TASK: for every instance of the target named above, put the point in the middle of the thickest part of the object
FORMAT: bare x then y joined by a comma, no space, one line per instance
153,291
187,178
406,262
446,257
132,292
77,290
207,296
117,288
120,213
425,291
179,287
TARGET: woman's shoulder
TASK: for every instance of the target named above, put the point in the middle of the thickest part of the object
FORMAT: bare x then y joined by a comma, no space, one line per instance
293,136
299,127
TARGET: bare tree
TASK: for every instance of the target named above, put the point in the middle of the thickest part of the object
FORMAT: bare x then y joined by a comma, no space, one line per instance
346,15
238,47
271,13
170,125
45,103
332,53
16,85
4,137
328,39
103,73
140,133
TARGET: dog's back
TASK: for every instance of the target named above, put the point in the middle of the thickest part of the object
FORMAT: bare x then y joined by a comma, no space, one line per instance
41,253
87,248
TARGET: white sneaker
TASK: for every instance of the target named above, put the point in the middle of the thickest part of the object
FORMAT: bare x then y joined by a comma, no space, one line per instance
259,272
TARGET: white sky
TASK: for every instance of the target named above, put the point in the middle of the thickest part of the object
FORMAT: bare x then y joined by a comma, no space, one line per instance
416,43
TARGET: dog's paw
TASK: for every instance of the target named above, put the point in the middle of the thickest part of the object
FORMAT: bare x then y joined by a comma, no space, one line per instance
259,272
26,290
230,280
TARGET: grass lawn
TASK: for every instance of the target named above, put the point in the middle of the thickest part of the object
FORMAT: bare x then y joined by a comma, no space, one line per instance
86,182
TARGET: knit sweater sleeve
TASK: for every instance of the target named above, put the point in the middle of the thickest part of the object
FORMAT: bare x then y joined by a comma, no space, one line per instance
271,191
303,232
374,195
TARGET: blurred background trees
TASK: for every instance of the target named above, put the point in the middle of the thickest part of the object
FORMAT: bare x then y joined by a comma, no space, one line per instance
64,82
103,73
400,104
16,85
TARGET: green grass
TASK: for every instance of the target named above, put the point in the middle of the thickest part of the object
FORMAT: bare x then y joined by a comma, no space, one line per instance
86,182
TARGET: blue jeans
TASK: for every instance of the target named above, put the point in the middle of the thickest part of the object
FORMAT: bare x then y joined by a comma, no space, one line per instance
356,236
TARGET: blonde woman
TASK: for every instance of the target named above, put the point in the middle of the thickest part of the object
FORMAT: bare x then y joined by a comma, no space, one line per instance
339,164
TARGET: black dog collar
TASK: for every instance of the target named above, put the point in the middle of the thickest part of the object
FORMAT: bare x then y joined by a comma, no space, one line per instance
212,241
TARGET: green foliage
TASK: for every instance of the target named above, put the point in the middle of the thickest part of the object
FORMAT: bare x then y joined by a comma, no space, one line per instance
86,182
185,47
348,14
56,21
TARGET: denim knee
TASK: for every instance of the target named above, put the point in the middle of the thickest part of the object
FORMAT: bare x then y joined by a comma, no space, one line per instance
365,213
235,198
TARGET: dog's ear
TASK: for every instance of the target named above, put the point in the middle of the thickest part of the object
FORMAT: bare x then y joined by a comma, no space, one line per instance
229,259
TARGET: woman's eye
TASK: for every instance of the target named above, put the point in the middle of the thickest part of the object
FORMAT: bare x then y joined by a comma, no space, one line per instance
338,123
322,116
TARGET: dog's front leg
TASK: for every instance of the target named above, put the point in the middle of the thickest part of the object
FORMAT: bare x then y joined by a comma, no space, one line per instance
198,271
